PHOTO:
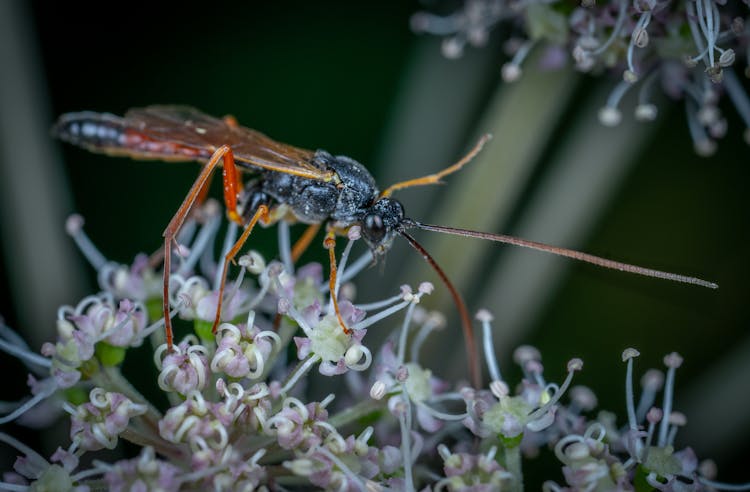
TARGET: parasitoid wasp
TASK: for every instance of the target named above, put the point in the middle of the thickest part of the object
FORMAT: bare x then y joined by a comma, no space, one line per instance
312,187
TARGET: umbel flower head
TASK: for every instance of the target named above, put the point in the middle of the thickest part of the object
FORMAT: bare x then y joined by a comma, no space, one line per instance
241,409
696,51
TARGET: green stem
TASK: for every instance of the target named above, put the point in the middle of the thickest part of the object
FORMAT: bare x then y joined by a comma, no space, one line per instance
361,409
513,466
136,436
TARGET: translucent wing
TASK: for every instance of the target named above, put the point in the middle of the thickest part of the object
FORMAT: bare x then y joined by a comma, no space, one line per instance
187,127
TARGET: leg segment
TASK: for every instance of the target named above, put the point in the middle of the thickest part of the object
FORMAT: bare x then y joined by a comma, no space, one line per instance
304,241
260,213
196,191
330,244
435,178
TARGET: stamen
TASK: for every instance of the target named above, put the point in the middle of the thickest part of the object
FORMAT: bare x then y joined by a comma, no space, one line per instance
702,144
653,417
35,458
610,114
378,390
285,249
512,71
677,420
574,365
628,355
185,235
645,110
229,239
202,241
11,336
565,442
74,227
158,324
740,99
651,382
87,473
342,466
672,361
441,415
485,317
621,16
434,321
362,262
404,422
360,353
299,371
47,391
638,38
379,304
697,39
722,485
13,487
342,263
25,355
404,332
327,400
380,315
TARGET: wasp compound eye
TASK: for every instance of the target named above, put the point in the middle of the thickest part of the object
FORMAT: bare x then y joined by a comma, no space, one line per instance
374,228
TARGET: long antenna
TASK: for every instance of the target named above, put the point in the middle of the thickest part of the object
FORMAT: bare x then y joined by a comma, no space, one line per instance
471,346
568,253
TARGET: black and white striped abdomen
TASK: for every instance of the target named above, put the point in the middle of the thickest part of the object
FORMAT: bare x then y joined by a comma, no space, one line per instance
94,131
110,134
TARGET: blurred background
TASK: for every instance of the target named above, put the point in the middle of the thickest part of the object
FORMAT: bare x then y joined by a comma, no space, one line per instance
353,79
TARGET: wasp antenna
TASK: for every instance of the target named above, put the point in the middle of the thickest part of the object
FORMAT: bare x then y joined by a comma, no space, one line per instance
568,253
471,346
436,178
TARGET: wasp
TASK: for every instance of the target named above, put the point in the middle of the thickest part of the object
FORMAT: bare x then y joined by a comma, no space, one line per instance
312,187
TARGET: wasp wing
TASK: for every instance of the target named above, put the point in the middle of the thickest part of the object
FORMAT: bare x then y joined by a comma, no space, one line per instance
188,127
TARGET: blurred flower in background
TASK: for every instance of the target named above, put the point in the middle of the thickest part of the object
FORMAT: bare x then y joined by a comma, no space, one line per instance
690,49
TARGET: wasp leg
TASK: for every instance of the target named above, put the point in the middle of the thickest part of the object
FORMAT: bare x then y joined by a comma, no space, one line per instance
435,178
261,213
304,241
232,186
330,244
196,193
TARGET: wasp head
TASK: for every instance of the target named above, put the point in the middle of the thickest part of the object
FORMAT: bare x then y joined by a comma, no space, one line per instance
380,224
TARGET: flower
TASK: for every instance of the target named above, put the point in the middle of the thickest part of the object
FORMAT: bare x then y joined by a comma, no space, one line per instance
690,48
240,412
183,369
144,472
97,424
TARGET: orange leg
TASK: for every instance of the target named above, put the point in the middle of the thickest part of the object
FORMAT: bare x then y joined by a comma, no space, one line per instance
223,153
204,191
304,241
261,213
330,244
232,186
435,178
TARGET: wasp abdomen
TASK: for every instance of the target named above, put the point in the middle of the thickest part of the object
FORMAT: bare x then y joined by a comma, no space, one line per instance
91,130
104,132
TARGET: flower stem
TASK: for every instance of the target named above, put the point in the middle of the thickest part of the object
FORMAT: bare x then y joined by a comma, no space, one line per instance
356,412
513,466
